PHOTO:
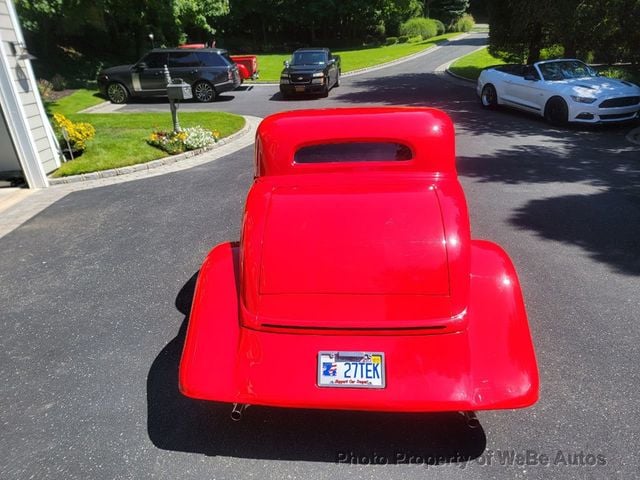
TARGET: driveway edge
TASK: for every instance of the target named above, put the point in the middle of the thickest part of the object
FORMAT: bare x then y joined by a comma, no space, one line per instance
141,167
36,200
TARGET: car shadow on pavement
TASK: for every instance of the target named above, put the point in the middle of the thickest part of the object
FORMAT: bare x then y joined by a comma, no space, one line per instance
178,423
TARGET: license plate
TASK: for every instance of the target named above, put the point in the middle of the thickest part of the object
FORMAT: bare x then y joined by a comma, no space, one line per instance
299,89
351,369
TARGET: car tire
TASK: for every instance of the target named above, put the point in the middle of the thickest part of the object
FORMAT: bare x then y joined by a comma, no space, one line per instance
489,97
203,92
325,92
117,93
337,80
556,112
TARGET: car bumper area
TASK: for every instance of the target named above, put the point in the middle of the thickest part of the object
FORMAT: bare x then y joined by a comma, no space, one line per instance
309,88
490,365
587,114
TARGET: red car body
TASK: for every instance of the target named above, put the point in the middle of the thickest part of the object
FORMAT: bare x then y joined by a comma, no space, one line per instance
359,254
247,64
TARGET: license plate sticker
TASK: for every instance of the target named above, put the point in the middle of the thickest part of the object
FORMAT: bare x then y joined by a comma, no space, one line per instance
351,369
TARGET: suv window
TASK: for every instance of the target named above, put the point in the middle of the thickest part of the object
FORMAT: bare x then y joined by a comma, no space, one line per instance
154,59
210,59
183,59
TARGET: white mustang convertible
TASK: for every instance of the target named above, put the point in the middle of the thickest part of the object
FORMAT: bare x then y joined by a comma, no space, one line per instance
561,91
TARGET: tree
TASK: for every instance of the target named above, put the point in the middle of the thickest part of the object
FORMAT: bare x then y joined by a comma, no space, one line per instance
447,11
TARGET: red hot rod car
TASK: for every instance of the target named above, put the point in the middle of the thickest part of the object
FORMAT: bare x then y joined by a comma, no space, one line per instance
355,284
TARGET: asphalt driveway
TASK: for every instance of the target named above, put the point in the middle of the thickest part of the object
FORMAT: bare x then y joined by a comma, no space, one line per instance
95,291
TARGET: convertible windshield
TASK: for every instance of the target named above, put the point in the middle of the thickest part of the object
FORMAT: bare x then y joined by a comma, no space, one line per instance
565,70
308,58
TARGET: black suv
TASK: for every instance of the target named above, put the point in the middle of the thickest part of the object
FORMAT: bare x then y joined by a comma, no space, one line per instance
209,71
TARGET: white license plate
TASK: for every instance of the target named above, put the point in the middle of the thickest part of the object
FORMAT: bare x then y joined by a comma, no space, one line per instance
351,369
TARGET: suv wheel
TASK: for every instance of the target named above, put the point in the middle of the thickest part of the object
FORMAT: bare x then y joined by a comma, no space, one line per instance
117,93
204,92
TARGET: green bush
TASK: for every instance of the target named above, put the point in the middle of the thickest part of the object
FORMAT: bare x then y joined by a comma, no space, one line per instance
403,39
464,24
391,41
554,51
425,27
440,26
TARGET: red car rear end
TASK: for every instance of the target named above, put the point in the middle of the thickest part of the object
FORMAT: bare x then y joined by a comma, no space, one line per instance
356,284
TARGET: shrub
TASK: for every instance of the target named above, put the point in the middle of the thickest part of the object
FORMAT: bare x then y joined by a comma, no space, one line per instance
391,41
58,82
45,88
403,39
554,51
425,27
77,134
464,24
188,139
440,26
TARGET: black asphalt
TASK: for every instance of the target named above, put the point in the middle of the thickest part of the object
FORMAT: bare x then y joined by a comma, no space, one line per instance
95,291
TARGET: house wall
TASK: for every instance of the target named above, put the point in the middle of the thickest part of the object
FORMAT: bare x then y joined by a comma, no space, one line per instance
35,128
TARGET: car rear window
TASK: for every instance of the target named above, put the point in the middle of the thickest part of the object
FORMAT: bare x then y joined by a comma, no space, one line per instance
210,59
354,152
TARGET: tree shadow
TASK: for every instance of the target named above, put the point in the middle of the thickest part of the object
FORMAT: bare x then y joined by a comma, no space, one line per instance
606,228
178,423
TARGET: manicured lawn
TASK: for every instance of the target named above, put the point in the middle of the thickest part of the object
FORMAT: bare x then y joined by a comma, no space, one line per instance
352,59
471,65
120,139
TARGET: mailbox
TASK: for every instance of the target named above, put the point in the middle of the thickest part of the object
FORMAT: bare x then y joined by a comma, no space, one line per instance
179,90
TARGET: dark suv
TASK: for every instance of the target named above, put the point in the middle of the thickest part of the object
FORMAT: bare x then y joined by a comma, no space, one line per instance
209,71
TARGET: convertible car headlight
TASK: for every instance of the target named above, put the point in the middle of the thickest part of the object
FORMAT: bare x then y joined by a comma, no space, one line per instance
318,75
578,99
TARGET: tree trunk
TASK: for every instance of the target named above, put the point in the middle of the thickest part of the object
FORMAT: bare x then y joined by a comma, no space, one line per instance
535,44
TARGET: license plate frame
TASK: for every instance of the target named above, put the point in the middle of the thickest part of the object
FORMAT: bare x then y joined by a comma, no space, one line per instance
333,375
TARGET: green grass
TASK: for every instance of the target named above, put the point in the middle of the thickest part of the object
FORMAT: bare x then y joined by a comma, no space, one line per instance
271,65
471,65
120,138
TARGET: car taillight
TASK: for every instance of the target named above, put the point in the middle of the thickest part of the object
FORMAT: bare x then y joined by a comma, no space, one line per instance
230,73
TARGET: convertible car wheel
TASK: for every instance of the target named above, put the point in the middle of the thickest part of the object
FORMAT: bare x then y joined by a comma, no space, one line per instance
117,93
489,97
556,112
203,92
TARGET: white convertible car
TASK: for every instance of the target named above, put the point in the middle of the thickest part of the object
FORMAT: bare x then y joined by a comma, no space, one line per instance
561,91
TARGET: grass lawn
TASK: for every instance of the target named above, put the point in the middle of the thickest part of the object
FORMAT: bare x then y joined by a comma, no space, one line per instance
471,65
351,59
120,138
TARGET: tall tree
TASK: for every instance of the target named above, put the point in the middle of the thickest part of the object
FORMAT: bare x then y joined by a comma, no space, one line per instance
447,11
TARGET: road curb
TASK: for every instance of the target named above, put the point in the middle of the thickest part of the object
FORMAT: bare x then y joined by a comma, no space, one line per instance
141,167
447,74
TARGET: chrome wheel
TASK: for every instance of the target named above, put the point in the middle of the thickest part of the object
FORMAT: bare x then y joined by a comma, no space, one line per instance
489,97
117,93
203,92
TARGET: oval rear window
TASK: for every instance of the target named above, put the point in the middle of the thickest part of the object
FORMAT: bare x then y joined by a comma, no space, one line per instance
354,152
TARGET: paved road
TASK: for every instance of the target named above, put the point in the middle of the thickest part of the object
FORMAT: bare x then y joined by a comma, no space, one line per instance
95,289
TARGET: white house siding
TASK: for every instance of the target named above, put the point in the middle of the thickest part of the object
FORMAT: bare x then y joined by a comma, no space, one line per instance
40,134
